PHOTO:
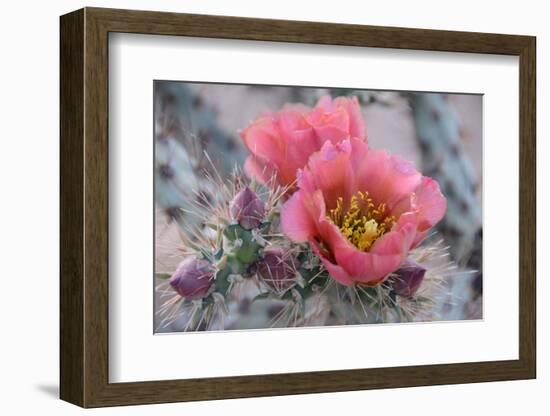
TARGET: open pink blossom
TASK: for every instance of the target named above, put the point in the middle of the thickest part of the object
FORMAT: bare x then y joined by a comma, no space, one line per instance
281,143
361,210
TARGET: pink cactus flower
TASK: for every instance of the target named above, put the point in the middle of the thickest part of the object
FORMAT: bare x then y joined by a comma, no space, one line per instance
281,143
361,210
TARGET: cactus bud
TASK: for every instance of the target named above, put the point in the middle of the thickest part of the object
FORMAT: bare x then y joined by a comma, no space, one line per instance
247,209
193,278
408,278
277,269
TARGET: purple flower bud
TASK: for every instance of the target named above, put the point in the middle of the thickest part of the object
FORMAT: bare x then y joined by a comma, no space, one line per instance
408,278
193,278
277,268
247,209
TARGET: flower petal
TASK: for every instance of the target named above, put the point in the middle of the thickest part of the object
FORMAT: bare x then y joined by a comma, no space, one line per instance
338,273
300,143
400,239
324,103
431,207
333,127
335,271
431,203
330,121
296,220
357,126
387,178
331,172
300,215
262,139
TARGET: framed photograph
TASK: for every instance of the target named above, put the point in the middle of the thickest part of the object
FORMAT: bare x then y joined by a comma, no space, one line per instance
260,207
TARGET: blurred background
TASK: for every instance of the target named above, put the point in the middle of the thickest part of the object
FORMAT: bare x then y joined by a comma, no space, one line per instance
440,133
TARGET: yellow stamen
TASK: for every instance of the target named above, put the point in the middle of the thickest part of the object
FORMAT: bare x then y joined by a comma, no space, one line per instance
362,222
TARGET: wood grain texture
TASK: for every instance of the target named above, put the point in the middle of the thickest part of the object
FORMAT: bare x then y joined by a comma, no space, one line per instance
84,207
527,208
71,208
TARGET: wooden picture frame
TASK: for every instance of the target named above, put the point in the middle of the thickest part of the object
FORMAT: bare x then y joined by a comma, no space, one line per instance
84,207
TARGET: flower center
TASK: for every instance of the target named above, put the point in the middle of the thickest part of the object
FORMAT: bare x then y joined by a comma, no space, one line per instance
362,222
